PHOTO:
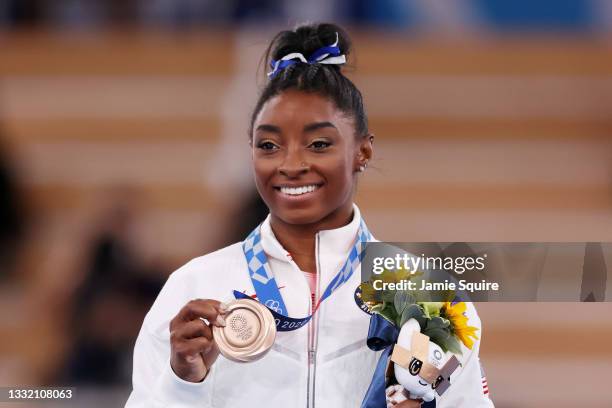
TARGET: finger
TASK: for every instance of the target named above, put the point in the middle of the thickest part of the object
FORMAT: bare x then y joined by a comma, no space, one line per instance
192,329
200,308
201,344
211,355
190,348
206,308
409,404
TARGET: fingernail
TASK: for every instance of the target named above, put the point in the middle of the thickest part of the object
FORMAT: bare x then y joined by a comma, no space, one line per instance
222,307
220,321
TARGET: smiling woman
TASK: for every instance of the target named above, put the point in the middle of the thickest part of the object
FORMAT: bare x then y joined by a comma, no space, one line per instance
306,157
310,142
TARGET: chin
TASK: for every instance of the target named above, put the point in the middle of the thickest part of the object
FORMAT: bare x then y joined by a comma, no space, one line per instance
300,216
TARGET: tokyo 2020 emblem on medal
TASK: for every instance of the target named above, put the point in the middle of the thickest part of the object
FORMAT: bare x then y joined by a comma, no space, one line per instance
249,332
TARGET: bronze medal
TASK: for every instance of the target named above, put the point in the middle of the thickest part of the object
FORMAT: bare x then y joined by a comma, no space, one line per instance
249,332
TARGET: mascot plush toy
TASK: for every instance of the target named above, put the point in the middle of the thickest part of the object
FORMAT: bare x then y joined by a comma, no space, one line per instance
420,366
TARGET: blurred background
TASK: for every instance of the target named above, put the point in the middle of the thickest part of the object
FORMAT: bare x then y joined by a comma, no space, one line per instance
123,154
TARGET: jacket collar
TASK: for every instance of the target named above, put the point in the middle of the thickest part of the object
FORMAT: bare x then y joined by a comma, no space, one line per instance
338,240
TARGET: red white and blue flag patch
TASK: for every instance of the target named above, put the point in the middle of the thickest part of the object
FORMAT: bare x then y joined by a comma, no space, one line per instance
485,385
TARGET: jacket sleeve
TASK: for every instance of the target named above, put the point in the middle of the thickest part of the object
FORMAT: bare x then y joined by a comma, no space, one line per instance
155,385
466,388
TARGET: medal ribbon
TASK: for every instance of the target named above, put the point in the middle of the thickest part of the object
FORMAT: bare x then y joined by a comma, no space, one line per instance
267,289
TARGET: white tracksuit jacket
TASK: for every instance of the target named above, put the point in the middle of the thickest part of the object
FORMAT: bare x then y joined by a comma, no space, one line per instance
337,376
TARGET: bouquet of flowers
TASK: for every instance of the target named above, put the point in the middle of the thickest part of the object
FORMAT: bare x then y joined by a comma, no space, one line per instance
421,340
444,323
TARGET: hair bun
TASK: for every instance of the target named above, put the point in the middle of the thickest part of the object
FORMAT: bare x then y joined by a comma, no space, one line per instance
308,38
309,59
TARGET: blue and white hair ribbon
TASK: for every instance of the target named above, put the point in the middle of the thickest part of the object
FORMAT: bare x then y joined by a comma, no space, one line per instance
330,54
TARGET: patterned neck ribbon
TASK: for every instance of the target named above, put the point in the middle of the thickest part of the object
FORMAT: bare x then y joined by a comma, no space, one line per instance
267,290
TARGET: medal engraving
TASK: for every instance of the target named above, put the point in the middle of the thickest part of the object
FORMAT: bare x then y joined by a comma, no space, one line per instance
244,326
249,333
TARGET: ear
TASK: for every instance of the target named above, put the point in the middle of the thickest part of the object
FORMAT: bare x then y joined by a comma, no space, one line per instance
365,151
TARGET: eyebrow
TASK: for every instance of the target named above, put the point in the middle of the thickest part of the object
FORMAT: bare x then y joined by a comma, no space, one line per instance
307,128
269,128
318,125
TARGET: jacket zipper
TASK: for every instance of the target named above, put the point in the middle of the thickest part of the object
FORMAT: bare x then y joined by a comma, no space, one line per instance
313,336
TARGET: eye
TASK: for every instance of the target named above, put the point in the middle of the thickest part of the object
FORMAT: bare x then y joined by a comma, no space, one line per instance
267,145
437,382
415,366
320,145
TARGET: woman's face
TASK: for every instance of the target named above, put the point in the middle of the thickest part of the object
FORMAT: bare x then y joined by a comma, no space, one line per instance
305,156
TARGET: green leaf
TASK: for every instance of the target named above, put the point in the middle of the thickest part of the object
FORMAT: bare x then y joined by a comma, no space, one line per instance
388,312
439,323
413,312
439,332
388,296
402,300
450,344
436,334
432,309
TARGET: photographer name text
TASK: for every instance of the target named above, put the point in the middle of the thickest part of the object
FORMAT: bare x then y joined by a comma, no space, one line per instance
446,285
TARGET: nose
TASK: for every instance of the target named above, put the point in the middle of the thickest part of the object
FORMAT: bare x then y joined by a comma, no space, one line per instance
293,165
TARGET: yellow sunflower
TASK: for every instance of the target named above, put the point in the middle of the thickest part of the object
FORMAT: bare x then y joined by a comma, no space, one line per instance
459,322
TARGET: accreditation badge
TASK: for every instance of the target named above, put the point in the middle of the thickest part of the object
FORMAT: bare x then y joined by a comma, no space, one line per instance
365,305
249,333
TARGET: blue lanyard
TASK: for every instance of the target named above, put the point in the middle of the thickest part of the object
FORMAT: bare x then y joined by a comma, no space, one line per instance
267,290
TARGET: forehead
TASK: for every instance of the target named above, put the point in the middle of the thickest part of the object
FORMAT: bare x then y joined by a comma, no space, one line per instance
299,107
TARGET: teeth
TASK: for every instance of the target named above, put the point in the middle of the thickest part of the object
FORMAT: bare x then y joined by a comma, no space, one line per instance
298,190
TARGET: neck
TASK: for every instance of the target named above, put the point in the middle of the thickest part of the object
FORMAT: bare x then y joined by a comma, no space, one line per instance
299,239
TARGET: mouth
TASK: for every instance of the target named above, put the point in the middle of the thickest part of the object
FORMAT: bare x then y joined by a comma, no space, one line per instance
298,191
423,383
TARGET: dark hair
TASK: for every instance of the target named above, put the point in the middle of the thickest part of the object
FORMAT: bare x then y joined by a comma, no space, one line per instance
324,79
